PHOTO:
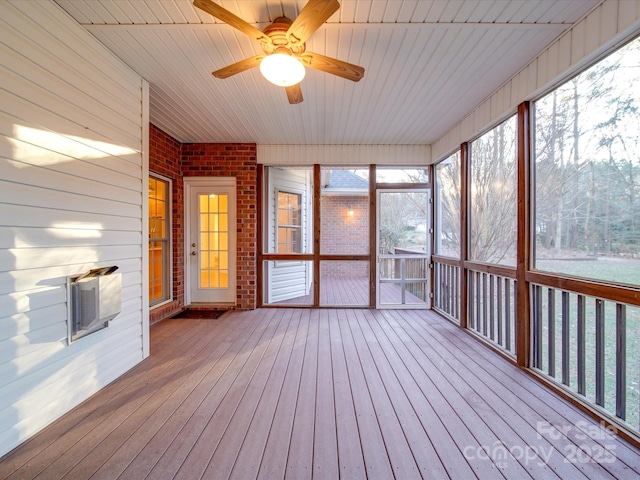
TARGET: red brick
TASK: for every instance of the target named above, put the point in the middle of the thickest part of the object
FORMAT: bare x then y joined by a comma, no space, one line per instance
174,160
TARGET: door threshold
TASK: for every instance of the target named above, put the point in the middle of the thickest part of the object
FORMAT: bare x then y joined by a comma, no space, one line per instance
211,305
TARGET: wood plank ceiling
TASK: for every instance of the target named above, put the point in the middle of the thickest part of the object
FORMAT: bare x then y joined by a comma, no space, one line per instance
428,63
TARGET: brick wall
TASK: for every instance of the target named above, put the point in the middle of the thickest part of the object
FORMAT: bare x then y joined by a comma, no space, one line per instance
341,233
239,161
174,160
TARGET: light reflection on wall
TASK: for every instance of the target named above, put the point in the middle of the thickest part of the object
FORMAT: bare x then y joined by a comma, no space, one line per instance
42,147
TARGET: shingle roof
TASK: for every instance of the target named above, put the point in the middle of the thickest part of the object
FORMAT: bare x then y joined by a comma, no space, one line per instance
345,180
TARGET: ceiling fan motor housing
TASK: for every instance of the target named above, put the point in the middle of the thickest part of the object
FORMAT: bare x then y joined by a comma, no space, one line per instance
277,32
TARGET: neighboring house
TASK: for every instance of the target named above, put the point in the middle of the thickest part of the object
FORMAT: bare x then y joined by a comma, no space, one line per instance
77,150
345,220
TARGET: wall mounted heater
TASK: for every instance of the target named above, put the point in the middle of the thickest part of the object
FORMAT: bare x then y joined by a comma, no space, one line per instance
95,298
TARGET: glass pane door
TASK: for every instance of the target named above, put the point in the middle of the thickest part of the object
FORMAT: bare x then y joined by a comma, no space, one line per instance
211,255
403,249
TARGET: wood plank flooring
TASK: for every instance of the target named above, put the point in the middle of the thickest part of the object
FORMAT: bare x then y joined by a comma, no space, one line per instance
322,393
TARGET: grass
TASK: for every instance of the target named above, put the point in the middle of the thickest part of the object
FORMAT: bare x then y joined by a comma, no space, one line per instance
613,269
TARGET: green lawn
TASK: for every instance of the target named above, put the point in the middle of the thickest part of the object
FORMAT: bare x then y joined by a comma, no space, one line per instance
620,270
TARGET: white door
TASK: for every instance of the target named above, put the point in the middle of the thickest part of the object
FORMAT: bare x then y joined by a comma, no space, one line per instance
210,240
403,249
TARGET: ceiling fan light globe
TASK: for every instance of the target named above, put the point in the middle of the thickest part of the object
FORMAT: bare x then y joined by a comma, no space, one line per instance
282,69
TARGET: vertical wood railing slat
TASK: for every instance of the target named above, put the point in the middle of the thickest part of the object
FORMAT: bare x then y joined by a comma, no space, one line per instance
507,311
492,306
500,308
566,310
447,274
484,304
581,347
551,330
450,287
471,301
456,289
453,289
621,360
442,289
536,319
600,339
445,288
437,294
456,295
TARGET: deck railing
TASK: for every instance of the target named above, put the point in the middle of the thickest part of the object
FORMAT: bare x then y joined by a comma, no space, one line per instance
492,303
589,345
584,338
407,267
446,287
491,294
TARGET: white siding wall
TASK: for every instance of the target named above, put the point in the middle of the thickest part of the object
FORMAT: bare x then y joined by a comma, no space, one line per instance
287,280
72,190
344,154
611,22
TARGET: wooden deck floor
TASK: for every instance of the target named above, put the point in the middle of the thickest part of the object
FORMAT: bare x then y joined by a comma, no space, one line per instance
311,393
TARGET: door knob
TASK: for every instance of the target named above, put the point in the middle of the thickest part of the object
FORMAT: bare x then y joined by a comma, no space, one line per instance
193,253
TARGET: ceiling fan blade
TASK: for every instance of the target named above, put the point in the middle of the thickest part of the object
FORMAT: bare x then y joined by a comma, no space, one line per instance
227,17
311,18
294,94
332,65
238,67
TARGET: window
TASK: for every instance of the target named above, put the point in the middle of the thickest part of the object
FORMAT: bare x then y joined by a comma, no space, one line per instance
289,220
159,240
402,175
492,202
447,194
587,172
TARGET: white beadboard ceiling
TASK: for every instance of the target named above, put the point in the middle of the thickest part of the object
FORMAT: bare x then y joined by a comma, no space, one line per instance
427,62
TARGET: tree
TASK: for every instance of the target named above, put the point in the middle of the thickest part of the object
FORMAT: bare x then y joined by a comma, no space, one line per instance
587,154
493,195
448,201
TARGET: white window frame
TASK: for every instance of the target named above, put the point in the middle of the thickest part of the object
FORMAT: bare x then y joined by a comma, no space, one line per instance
300,227
167,268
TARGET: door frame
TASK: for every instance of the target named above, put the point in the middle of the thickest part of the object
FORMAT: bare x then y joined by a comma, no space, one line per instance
418,306
190,184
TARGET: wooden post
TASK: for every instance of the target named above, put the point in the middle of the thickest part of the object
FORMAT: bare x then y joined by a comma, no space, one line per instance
373,238
259,236
317,181
432,238
464,224
523,310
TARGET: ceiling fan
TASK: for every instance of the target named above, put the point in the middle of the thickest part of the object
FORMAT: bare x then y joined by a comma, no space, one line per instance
283,43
